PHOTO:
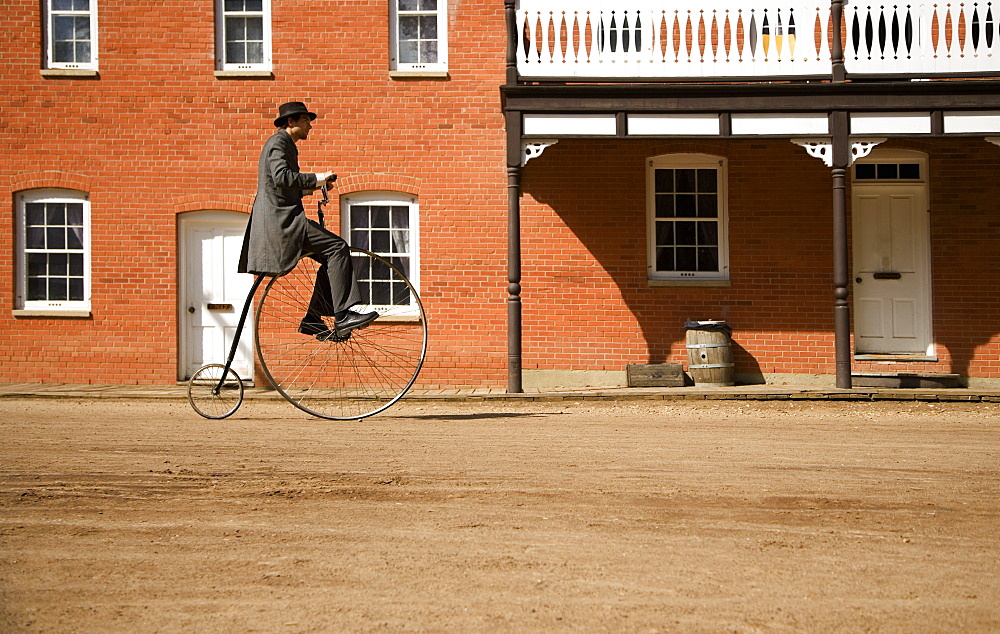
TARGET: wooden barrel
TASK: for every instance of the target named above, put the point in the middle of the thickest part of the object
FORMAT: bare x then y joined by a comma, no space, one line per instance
710,357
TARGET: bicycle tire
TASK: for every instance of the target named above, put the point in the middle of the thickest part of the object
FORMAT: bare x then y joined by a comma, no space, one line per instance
213,397
350,379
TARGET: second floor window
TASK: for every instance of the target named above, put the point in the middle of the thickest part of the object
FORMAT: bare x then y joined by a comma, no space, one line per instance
419,29
243,34
687,229
71,34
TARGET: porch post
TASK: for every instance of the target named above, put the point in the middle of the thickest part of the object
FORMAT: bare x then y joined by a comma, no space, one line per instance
837,50
841,151
513,124
511,19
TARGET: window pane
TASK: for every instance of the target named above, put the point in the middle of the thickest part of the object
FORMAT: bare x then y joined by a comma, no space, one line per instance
708,259
408,52
82,52
359,239
687,259
55,238
62,5
708,206
665,233
864,171
235,53
359,216
428,27
428,5
37,288
253,5
76,289
81,5
58,264
58,289
34,213
428,52
38,264
81,28
885,170
74,214
400,218
686,233
380,217
35,238
408,5
708,233
380,241
665,206
708,181
403,264
255,52
664,180
409,28
63,52
686,207
686,180
909,170
62,27
255,29
76,264
400,294
665,259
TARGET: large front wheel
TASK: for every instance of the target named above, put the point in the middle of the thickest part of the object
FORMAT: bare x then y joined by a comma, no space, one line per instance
343,378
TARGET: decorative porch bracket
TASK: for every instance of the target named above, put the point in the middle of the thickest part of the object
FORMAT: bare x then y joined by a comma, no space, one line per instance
533,149
822,149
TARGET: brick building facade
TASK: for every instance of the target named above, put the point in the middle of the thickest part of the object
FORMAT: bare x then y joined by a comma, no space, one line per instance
158,137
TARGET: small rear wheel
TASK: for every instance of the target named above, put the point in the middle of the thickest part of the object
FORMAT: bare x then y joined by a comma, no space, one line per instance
214,391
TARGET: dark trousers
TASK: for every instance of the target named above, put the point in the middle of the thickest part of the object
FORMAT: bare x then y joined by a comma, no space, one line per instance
336,289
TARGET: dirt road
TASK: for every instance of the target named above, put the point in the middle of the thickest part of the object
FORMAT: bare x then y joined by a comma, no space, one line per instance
461,517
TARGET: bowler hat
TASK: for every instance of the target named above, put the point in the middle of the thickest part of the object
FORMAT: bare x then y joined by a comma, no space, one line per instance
292,109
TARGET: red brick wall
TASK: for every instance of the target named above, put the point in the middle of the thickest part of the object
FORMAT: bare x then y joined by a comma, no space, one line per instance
157,134
588,304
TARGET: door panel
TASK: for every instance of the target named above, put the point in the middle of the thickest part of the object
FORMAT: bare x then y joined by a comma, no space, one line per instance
891,269
213,294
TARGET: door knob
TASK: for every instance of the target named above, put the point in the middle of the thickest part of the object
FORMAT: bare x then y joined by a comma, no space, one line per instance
858,279
191,309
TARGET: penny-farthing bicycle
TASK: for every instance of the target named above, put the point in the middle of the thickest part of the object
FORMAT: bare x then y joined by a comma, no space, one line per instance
339,377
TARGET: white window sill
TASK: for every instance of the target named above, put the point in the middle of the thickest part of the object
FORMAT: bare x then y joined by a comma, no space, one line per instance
418,74
50,312
69,72
244,74
692,282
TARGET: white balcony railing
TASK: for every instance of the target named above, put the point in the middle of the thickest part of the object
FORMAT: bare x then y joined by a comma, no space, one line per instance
654,39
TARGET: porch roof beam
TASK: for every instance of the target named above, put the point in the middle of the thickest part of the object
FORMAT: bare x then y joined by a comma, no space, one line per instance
800,97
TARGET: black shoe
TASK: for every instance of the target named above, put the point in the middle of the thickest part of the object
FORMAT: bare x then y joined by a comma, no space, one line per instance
354,321
313,327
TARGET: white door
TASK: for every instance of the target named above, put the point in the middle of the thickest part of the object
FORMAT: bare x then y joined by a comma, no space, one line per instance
892,308
213,293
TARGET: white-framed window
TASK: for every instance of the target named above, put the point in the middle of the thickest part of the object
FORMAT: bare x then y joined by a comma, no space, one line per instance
243,35
70,28
53,250
687,217
385,223
419,31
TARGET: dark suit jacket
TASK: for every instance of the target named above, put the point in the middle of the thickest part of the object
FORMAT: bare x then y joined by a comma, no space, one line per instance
273,240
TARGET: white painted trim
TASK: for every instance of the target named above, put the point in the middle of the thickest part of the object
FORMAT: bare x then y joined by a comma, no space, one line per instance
674,125
777,124
891,123
972,122
570,124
